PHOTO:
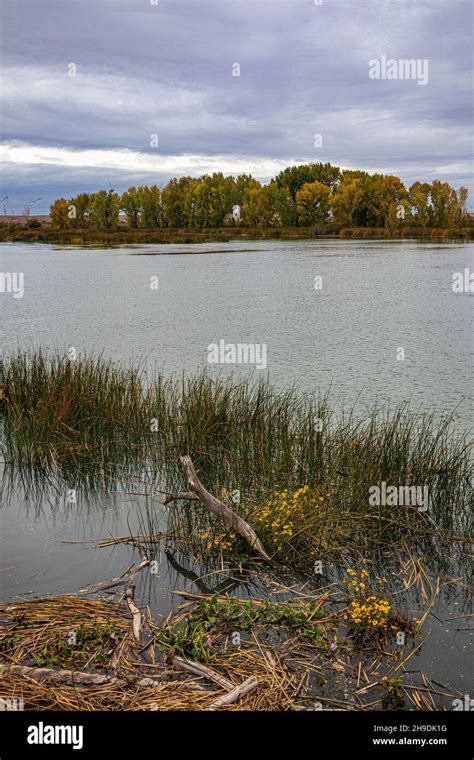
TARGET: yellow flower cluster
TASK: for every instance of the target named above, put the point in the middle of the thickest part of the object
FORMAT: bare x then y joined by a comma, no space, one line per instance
219,541
366,613
356,583
391,684
284,511
372,613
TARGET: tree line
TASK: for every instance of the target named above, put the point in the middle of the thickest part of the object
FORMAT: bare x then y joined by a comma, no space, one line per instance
307,195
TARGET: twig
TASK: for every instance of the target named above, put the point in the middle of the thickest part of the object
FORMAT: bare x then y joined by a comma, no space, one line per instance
185,495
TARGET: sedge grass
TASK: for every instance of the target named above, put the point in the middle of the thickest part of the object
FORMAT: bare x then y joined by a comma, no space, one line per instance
95,416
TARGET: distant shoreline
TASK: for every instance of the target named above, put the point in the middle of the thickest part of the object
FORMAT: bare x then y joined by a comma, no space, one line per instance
44,233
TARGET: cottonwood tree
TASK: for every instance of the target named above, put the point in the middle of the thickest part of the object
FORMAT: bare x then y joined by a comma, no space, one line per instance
294,177
312,203
81,204
130,202
105,210
150,204
58,213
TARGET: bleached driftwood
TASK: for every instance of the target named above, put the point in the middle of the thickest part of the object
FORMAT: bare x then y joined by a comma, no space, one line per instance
201,670
196,490
237,693
136,614
127,578
78,677
57,676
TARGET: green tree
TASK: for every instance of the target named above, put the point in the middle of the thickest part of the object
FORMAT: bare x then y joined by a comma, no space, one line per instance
58,213
174,202
386,195
306,194
462,196
419,197
131,203
268,206
79,209
398,214
294,177
198,206
105,210
312,203
221,196
444,204
366,200
243,183
150,203
347,201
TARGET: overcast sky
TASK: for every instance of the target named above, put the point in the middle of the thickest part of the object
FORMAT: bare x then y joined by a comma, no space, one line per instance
167,69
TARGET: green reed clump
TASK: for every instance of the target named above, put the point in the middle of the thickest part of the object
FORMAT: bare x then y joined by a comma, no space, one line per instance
93,415
59,410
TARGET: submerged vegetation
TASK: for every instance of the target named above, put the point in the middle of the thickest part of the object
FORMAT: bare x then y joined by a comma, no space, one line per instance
311,482
215,652
298,472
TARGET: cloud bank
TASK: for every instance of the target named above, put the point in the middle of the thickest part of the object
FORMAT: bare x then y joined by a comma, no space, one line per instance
90,87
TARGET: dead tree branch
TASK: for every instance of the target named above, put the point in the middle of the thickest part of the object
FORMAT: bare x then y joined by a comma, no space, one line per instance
237,693
196,490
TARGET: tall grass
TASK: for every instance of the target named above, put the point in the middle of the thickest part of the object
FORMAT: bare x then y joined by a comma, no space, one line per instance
95,415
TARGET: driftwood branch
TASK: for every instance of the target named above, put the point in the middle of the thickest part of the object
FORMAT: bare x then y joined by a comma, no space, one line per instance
97,679
180,495
136,614
81,678
237,693
114,582
58,676
196,490
201,670
76,677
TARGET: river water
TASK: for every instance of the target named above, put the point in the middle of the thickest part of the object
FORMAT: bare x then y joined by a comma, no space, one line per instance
376,298
369,319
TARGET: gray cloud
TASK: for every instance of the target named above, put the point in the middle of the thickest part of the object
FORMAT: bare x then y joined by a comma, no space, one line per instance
167,69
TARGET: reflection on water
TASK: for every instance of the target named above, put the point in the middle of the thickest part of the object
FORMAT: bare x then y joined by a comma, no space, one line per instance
49,546
376,297
50,532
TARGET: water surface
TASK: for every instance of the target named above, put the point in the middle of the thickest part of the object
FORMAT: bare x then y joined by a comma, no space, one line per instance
376,298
